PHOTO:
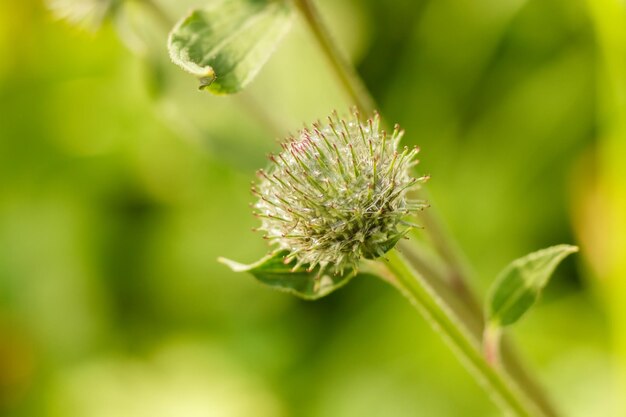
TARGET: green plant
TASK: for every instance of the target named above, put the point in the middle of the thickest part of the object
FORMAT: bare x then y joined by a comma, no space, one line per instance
326,234
335,201
335,196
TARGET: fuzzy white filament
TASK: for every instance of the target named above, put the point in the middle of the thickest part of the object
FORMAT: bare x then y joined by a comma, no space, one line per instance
337,193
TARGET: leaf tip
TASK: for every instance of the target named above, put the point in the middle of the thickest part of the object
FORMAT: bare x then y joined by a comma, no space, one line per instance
519,285
235,266
206,79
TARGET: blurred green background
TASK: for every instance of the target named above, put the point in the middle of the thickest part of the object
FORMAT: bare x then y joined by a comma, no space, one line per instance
120,185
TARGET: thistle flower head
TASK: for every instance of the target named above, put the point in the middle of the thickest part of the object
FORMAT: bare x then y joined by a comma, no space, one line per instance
336,193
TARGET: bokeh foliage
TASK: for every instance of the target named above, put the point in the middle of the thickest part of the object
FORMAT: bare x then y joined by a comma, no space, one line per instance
120,185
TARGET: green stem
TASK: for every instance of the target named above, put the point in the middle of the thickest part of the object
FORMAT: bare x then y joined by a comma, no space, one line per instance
449,251
464,304
465,308
348,77
492,343
456,272
496,382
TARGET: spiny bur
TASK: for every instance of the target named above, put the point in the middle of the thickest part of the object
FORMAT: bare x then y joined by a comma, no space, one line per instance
337,193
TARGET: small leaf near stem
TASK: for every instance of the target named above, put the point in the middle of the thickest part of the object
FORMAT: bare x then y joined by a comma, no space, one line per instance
519,285
515,291
273,271
382,248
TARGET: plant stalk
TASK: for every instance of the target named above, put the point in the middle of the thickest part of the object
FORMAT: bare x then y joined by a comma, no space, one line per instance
495,381
491,344
446,247
466,307
348,77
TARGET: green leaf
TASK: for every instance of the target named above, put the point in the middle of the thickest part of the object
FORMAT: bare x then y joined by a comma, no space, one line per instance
226,43
273,271
518,286
378,249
